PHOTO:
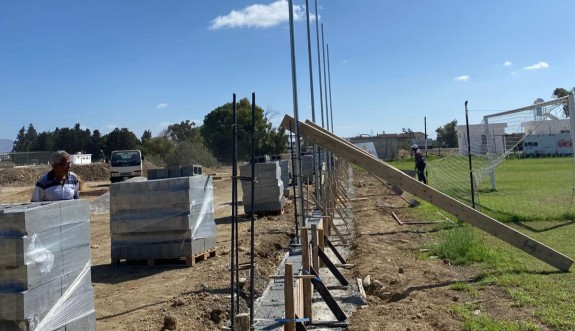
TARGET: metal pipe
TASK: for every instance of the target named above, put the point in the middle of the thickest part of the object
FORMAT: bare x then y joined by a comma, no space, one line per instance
469,156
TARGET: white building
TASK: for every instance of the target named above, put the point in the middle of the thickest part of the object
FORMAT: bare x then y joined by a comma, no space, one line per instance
478,138
547,126
80,158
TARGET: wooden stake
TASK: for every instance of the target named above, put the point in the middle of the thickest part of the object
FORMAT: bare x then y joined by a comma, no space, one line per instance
307,288
289,298
242,322
320,242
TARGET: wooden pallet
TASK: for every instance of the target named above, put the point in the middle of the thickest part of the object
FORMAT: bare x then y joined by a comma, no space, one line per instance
192,260
188,261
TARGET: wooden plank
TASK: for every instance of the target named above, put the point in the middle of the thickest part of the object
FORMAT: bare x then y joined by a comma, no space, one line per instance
305,258
327,297
289,298
314,134
331,267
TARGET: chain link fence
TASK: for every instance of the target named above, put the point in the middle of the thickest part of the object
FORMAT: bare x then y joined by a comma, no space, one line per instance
12,159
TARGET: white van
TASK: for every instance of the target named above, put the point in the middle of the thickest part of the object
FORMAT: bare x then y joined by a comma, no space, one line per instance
125,164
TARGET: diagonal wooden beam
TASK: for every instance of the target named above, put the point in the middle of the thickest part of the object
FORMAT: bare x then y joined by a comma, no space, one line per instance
316,135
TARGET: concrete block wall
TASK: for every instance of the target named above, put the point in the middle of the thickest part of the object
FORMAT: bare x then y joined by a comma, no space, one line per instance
268,190
44,250
162,219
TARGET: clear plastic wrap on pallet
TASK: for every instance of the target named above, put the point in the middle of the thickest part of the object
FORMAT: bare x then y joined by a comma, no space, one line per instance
45,264
162,218
268,188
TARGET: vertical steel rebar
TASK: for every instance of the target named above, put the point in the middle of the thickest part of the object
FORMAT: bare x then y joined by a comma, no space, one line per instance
252,219
315,156
294,185
329,82
324,78
233,265
296,115
318,62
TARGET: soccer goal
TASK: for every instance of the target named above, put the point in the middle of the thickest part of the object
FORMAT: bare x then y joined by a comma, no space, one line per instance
521,162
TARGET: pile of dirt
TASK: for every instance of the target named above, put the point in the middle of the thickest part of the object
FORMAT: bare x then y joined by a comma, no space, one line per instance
87,172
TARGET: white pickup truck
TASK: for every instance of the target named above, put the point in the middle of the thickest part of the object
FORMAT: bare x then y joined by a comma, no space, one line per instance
125,164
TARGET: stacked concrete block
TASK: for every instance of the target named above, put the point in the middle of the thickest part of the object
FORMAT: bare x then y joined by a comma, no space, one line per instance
45,279
162,219
158,173
307,169
268,189
192,170
175,172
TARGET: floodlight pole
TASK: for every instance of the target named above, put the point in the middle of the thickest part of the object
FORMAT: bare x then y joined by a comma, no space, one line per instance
469,156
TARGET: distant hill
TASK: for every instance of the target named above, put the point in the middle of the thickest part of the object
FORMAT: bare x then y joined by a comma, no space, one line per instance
6,145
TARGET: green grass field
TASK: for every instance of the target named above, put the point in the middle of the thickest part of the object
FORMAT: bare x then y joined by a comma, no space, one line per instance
537,196
526,189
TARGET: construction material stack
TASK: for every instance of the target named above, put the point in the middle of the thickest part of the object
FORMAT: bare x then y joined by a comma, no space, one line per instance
307,169
45,281
268,189
177,171
162,219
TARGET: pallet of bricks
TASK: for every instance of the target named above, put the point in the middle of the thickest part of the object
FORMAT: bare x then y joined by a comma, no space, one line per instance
285,172
268,190
45,281
162,220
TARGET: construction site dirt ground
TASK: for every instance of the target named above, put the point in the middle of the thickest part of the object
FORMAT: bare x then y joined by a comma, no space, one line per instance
415,293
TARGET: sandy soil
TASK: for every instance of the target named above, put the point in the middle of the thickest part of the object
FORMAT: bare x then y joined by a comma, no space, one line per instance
407,292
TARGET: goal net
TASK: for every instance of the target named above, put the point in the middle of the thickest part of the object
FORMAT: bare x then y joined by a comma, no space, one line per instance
521,163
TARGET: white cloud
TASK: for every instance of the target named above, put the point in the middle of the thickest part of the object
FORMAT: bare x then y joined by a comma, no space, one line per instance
463,78
161,106
259,16
507,63
540,65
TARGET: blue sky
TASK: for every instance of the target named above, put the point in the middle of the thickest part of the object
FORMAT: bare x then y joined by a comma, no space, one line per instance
145,64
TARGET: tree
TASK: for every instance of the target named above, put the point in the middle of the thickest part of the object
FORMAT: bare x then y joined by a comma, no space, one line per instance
147,135
96,146
159,146
189,152
446,135
46,141
560,93
26,140
120,139
20,141
184,131
217,132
